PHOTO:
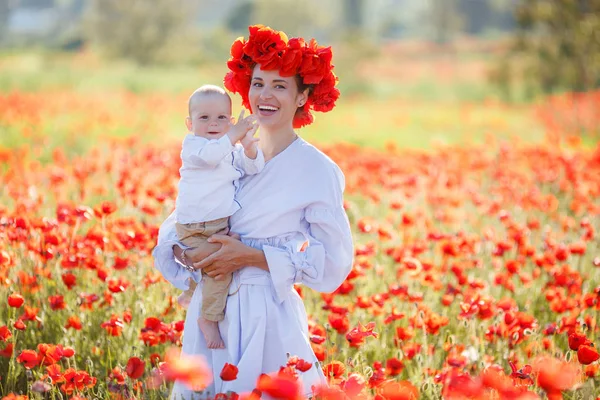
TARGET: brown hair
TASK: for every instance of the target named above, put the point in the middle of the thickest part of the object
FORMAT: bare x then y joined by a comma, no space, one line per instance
206,90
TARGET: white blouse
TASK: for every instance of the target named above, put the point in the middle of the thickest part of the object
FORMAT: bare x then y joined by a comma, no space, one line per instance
209,175
298,197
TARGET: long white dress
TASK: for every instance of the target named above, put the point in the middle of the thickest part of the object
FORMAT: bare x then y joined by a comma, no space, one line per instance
297,197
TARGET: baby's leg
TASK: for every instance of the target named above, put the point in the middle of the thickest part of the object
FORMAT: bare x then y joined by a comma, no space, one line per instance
191,235
214,299
185,298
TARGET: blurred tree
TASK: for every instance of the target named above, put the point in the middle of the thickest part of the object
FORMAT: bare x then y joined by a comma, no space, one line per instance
444,18
4,14
477,15
137,29
295,19
556,47
239,18
353,12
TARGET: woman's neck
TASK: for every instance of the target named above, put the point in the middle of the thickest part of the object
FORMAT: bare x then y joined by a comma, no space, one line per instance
273,142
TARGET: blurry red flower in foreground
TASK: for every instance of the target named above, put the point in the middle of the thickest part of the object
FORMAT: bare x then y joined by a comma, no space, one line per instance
279,386
402,390
229,372
190,370
555,376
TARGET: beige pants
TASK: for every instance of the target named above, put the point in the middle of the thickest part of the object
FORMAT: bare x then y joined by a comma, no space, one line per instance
214,293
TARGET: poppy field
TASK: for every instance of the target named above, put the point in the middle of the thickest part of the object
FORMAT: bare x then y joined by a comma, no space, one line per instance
476,271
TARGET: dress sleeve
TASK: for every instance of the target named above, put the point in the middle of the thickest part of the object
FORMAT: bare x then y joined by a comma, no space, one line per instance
165,261
248,165
325,261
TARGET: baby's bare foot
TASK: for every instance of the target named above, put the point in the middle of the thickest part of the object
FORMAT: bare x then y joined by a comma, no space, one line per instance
184,300
210,330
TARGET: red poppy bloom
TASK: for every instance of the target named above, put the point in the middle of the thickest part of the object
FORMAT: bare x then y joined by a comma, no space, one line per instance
279,387
28,358
15,300
5,333
334,369
229,372
135,367
20,325
190,370
57,302
69,280
74,322
587,354
402,390
7,351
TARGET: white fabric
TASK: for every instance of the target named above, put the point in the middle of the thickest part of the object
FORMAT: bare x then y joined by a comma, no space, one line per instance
209,173
297,197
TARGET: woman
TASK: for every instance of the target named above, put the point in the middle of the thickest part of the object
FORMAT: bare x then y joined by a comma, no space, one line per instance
292,221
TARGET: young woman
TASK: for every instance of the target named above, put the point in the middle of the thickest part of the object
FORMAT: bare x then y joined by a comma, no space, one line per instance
292,223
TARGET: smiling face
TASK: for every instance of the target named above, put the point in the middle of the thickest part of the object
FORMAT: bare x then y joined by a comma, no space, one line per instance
210,115
274,99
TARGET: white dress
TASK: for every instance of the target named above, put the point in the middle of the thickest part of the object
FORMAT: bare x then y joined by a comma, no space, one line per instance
298,196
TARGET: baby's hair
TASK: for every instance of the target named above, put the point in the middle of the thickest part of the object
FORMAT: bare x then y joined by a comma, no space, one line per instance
207,90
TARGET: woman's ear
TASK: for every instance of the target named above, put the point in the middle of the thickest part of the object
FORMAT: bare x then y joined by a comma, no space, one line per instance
302,98
188,123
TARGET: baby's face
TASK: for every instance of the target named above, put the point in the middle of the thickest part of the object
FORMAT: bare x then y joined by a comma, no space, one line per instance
210,116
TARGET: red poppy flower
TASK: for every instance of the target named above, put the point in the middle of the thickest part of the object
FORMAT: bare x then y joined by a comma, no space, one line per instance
7,351
402,390
577,339
229,372
190,370
334,369
74,322
587,354
57,302
393,366
279,387
69,280
303,365
356,337
135,367
54,373
555,376
5,333
28,358
15,300
20,325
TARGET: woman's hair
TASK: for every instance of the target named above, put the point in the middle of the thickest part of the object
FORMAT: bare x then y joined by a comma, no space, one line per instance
309,64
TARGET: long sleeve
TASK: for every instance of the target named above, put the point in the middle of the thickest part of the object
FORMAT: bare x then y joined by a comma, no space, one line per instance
327,260
248,165
164,260
200,151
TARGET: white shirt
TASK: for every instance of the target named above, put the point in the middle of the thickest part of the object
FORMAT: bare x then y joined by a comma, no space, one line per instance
209,175
297,197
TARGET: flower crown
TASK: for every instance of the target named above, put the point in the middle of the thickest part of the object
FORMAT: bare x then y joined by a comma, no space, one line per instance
273,51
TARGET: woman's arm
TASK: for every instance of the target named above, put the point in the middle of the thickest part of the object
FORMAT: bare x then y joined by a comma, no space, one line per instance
231,256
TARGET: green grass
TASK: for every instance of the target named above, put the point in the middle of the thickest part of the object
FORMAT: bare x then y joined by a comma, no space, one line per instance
411,114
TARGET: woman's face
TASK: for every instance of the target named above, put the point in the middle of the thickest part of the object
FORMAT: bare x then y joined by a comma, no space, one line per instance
274,99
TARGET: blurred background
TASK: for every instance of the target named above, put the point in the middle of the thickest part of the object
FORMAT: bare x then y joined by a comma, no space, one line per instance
413,73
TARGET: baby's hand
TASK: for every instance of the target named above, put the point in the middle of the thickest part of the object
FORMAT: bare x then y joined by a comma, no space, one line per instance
249,143
241,127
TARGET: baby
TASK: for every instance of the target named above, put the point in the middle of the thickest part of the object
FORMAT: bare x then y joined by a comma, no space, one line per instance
212,162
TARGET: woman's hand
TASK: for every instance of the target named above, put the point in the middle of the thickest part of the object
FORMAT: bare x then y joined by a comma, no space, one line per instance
199,253
231,256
